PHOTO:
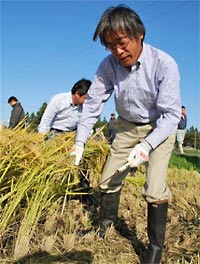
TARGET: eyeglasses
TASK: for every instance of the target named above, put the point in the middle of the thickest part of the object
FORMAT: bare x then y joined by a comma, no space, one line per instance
121,45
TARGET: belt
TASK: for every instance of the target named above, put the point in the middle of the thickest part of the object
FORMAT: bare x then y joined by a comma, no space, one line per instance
57,130
143,124
60,130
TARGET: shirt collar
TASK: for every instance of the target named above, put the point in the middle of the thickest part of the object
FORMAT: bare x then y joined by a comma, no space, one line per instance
140,60
135,66
143,53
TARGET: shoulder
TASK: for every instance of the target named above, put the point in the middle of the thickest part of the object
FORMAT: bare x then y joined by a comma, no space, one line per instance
159,62
109,60
108,65
158,55
17,106
60,97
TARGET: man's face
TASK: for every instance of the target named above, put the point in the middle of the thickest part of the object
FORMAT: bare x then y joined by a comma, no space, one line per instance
79,100
183,111
125,50
12,103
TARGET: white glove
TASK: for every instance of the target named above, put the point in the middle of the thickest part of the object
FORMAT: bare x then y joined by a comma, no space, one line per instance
78,152
139,154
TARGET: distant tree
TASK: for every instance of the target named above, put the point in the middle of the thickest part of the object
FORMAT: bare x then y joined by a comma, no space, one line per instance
192,138
40,113
33,120
30,122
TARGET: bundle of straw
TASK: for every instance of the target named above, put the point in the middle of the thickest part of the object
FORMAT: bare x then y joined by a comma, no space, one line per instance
36,176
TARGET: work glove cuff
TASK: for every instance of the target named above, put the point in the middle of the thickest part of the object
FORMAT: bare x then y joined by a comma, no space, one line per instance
146,146
80,144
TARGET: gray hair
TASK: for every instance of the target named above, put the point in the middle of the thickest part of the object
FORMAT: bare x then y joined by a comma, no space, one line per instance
120,18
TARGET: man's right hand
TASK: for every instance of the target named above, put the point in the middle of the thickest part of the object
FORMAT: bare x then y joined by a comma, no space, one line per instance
77,151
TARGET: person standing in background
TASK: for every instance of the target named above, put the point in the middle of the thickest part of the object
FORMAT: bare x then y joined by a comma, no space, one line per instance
181,129
17,114
112,128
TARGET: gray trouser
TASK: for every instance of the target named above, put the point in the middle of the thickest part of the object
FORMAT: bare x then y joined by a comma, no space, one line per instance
180,136
130,134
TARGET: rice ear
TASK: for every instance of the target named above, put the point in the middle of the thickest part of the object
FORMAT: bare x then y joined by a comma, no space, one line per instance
36,175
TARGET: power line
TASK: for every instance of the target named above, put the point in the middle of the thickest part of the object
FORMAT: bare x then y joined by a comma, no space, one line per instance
65,48
84,50
50,56
147,6
53,63
170,10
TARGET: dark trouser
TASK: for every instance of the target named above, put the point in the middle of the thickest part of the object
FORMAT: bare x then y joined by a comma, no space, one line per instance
112,133
54,132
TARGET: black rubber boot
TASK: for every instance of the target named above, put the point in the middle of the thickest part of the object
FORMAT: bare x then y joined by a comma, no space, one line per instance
108,211
156,226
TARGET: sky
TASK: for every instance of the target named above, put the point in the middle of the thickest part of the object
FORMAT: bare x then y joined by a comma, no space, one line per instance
46,46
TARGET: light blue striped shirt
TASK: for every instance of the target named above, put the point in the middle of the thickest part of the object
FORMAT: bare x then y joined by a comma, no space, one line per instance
60,114
149,92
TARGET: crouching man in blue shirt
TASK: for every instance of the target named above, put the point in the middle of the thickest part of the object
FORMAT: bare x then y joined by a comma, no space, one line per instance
145,82
61,116
64,110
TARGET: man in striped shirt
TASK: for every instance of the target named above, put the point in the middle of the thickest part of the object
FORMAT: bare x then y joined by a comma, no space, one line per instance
145,82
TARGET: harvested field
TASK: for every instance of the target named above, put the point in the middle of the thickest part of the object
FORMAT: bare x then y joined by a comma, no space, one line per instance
42,219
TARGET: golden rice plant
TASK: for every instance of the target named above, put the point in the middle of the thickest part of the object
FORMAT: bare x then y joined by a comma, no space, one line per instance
36,175
40,223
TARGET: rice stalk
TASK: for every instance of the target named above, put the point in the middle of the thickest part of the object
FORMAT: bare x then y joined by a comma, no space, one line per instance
30,220
38,210
35,174
18,193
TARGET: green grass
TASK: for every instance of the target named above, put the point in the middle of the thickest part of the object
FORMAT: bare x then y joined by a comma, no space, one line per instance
187,161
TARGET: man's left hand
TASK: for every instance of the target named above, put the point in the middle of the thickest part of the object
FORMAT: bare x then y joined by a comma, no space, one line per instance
139,154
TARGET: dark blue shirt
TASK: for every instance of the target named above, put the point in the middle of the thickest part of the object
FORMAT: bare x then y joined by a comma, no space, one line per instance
183,123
